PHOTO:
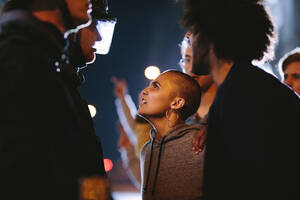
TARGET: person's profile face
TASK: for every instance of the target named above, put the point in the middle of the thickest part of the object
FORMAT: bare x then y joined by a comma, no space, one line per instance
187,59
292,76
88,37
156,99
201,49
79,10
205,81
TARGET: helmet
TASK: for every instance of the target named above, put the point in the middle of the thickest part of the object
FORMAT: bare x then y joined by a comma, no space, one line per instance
13,4
100,11
105,24
7,5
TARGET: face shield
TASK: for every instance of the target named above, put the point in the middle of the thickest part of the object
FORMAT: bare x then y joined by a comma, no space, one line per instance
106,31
105,24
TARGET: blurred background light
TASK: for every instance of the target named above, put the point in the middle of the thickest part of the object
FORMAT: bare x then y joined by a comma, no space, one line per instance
108,164
152,72
93,110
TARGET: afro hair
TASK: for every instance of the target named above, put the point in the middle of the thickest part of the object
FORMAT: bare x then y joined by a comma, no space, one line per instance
238,29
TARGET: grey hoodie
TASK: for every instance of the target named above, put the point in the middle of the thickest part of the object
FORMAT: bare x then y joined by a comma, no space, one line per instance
169,167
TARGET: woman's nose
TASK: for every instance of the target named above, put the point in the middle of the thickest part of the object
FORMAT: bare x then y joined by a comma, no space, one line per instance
145,91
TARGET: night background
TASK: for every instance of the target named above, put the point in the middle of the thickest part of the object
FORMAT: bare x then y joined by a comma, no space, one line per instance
148,33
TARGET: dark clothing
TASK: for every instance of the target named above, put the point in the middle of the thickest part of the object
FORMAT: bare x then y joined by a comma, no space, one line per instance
252,146
47,139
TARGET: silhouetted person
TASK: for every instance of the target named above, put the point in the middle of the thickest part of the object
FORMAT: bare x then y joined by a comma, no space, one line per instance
48,142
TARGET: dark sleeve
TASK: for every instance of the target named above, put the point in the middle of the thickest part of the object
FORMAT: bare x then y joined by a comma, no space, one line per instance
251,143
24,145
23,84
283,143
40,149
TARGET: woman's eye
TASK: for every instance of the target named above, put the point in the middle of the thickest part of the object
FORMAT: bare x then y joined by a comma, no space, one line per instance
155,85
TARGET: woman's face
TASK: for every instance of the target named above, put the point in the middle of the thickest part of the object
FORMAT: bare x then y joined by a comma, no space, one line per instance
156,99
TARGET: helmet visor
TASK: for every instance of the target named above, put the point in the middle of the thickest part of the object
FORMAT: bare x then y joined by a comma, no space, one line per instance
106,30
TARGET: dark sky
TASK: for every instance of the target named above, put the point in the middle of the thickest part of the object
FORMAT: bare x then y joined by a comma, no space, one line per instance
147,33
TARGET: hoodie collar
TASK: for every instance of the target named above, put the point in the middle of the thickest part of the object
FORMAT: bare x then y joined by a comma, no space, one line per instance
176,132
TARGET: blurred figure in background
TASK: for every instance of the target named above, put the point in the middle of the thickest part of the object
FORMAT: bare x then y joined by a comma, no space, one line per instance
208,87
129,157
208,90
134,131
289,66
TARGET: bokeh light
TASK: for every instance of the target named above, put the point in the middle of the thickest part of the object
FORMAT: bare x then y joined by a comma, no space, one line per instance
152,72
108,164
93,110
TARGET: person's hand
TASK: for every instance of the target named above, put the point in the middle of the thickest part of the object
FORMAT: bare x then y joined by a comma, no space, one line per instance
120,88
199,139
123,139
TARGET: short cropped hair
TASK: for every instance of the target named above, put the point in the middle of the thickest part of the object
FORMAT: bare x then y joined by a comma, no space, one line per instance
189,90
240,30
288,58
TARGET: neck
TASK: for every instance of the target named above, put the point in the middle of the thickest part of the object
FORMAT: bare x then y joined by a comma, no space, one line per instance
53,16
207,98
220,70
162,127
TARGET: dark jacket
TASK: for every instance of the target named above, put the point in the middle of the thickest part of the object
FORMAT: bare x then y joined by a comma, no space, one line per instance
47,139
170,169
252,146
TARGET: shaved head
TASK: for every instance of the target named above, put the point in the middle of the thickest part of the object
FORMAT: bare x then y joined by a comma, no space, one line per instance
188,89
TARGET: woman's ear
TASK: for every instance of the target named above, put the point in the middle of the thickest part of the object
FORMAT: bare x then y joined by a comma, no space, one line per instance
177,103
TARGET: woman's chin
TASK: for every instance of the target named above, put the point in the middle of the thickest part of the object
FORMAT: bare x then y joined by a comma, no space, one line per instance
139,111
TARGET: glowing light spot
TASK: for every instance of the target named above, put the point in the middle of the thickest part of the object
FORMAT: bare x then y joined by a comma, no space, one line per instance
108,164
93,110
152,72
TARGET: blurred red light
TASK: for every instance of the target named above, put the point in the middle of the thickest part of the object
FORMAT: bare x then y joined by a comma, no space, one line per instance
108,164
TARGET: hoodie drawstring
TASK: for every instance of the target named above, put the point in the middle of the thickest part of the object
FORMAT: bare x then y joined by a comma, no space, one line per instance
149,167
157,167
